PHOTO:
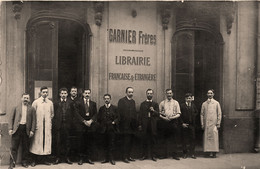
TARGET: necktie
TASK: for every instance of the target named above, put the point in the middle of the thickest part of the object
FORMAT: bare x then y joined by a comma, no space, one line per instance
63,105
87,108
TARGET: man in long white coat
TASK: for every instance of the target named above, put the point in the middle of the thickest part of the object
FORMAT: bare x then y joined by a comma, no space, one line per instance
41,142
210,122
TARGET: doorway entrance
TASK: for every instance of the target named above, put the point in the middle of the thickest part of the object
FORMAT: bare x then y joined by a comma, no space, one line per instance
57,56
196,67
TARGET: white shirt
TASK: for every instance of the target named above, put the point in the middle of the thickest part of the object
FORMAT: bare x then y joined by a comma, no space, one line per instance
129,98
63,99
73,98
86,101
24,114
107,105
169,107
188,104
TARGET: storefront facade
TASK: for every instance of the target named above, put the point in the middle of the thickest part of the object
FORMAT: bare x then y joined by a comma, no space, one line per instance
108,46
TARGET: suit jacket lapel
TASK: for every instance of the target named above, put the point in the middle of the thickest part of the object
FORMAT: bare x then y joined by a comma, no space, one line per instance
19,115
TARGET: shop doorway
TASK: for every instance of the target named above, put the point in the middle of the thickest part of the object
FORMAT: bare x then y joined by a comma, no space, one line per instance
57,56
196,67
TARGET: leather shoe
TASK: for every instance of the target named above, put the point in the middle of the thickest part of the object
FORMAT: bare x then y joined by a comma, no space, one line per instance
131,159
68,161
33,164
104,161
80,162
12,165
211,155
176,158
47,163
112,162
90,162
57,161
193,156
185,156
125,160
154,159
25,165
143,158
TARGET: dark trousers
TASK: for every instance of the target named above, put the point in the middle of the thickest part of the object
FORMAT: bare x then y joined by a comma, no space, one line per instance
40,159
62,141
109,144
170,136
20,136
188,137
148,141
127,143
85,143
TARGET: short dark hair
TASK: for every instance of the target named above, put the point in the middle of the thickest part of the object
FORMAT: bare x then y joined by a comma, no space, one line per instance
149,90
63,89
188,95
43,87
211,90
25,94
73,87
128,88
168,90
86,89
107,95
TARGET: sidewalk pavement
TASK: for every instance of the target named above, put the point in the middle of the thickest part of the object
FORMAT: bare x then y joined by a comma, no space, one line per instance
223,161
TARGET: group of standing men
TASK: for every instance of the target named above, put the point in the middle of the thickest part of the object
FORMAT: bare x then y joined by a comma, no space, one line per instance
45,127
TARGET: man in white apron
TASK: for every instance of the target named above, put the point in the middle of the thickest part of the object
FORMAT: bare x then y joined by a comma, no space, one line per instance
210,122
41,142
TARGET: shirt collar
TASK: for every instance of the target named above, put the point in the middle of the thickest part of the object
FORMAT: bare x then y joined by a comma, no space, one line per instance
73,98
149,100
128,98
63,99
169,100
44,99
86,100
188,103
107,105
210,100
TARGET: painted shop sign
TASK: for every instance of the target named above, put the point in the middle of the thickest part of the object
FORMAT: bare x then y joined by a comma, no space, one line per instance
131,37
127,42
132,77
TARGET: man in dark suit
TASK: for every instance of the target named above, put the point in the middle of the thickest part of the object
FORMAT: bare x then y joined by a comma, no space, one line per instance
149,112
128,122
22,123
73,101
61,126
108,120
187,120
86,116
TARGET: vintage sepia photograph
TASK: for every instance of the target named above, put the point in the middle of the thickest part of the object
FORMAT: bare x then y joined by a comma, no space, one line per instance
130,84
